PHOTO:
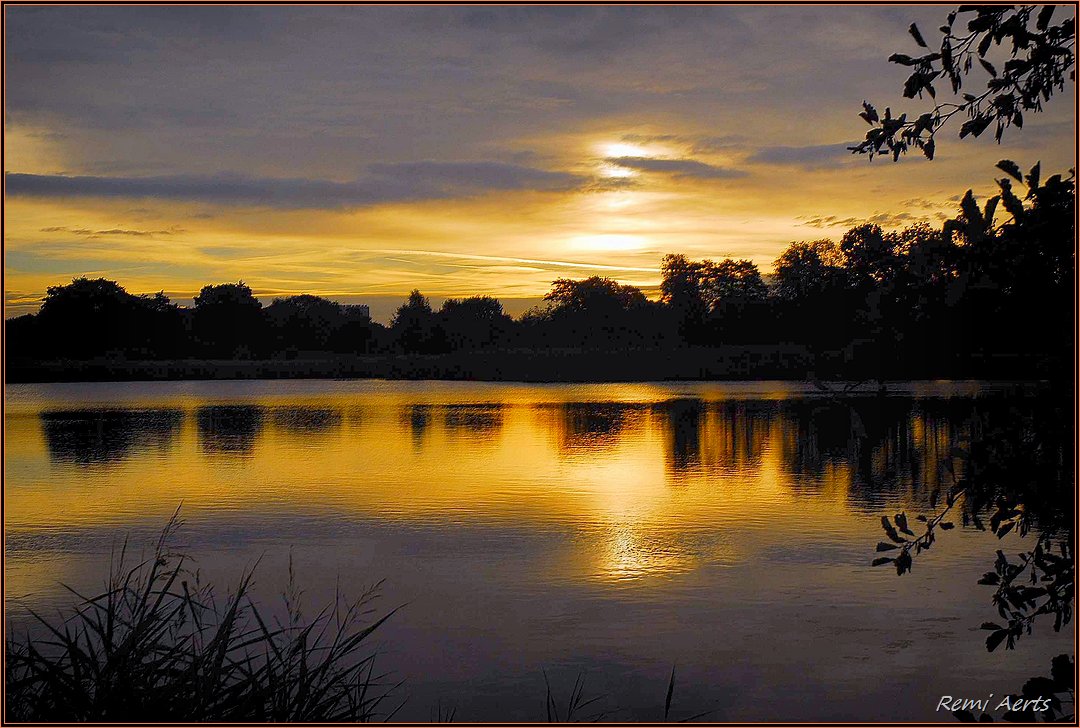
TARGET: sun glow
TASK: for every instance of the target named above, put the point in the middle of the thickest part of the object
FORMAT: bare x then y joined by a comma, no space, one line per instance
615,171
608,242
620,149
619,200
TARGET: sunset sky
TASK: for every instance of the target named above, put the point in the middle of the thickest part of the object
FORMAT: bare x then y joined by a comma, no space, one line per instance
360,152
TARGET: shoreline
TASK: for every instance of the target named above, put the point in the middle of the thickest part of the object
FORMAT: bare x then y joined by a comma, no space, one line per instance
741,363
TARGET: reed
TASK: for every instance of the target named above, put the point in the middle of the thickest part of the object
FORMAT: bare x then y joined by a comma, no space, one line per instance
157,645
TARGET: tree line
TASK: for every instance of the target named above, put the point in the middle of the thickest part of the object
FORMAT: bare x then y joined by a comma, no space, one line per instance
987,293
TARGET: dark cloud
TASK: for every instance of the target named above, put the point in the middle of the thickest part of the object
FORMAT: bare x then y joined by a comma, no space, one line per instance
884,219
611,184
591,31
680,168
921,202
319,92
811,156
88,233
407,181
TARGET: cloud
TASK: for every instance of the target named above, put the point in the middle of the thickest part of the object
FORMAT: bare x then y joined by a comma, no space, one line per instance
543,263
88,233
611,184
679,168
884,219
694,143
809,157
407,181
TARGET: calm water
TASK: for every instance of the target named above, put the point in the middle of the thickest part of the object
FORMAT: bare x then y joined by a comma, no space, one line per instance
612,529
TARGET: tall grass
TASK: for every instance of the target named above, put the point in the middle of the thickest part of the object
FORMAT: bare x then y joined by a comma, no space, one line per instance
158,646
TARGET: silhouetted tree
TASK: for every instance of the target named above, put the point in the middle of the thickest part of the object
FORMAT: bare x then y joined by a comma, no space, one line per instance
594,296
806,270
1018,297
413,325
712,303
681,291
474,323
924,288
731,282
228,320
93,317
313,323
869,256
737,300
598,313
814,304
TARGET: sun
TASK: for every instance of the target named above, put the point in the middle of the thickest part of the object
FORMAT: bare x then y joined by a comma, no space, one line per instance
614,150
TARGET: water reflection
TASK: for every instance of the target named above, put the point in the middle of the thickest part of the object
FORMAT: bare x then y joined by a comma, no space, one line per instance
681,420
613,461
229,429
418,419
306,420
869,449
882,448
554,507
475,421
739,433
89,437
593,427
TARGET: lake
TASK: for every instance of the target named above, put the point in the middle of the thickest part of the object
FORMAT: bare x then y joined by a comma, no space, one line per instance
614,530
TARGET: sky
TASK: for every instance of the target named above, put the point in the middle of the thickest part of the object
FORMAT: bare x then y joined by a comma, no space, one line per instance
360,152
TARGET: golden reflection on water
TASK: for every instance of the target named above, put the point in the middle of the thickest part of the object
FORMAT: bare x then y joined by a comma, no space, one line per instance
657,480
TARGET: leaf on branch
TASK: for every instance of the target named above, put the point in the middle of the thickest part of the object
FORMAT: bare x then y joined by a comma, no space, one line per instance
1010,200
903,563
971,209
903,59
881,561
995,639
1033,175
889,530
975,126
914,30
1043,21
901,523
989,67
883,546
1062,671
1010,168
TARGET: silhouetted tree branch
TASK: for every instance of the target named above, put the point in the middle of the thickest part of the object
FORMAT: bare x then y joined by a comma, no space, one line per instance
1039,57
